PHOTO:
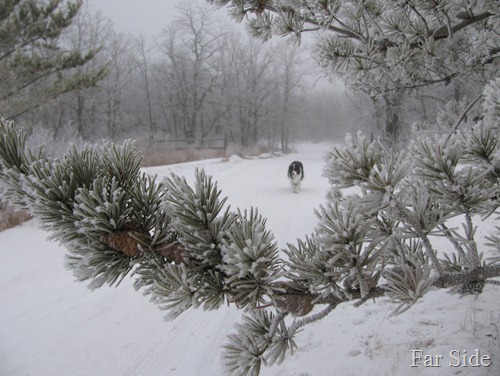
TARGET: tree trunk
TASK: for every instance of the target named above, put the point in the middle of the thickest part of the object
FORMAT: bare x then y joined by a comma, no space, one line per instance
392,107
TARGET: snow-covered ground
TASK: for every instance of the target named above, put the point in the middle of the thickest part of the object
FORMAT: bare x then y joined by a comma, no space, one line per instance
53,326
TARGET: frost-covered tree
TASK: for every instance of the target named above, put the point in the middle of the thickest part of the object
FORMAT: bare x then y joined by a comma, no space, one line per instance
383,47
34,67
187,248
189,48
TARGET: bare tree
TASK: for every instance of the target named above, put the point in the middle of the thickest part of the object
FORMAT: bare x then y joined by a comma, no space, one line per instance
290,83
118,85
89,31
189,47
143,63
254,84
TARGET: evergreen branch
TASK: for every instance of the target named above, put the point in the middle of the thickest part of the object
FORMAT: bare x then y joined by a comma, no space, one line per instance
428,82
452,239
431,253
50,68
261,338
283,9
446,280
446,30
53,23
471,244
189,250
440,32
260,335
479,274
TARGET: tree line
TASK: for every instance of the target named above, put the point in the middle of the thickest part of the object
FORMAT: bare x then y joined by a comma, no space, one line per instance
70,74
196,80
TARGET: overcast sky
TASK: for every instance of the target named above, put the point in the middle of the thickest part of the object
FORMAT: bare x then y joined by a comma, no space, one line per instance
148,17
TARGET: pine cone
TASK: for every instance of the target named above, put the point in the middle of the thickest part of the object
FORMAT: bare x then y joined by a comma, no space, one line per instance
297,305
290,299
260,6
124,241
128,242
173,252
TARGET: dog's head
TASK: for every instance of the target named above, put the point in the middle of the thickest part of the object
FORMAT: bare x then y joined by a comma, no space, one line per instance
295,170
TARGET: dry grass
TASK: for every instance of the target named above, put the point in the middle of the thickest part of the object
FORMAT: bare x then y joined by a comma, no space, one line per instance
157,157
9,217
252,151
163,156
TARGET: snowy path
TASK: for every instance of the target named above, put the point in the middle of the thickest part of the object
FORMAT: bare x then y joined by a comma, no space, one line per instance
262,183
53,326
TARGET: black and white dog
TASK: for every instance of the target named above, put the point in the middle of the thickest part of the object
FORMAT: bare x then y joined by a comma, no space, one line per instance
295,175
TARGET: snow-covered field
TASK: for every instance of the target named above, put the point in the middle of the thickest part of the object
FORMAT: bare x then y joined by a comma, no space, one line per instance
53,326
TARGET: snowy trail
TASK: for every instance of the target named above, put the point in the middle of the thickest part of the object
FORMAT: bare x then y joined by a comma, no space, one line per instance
262,183
51,325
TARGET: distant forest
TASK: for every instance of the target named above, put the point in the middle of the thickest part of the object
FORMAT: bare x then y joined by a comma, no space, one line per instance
202,80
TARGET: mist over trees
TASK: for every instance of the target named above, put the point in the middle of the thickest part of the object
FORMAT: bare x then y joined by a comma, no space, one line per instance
197,80
201,78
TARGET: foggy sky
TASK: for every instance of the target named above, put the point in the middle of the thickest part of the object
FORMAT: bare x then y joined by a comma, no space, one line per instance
147,17
150,17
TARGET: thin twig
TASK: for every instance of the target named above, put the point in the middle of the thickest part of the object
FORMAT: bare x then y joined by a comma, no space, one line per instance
472,246
420,232
315,317
464,115
451,238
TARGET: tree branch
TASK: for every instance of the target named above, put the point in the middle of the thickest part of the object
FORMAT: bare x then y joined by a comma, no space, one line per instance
464,115
431,253
284,9
445,31
481,273
445,280
439,33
